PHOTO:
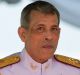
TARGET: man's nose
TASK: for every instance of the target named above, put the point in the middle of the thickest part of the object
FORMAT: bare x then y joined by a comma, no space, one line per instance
48,35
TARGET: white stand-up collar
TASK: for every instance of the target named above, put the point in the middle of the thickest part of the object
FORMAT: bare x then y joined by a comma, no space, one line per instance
31,64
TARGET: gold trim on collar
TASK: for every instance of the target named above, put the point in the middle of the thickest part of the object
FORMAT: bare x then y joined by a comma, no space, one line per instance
68,60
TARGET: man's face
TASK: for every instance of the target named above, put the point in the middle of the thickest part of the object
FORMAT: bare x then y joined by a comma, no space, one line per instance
42,36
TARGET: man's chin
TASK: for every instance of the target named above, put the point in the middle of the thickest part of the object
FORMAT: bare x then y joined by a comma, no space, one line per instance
45,58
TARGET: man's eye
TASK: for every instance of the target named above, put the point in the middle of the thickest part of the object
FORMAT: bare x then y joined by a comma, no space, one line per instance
55,29
40,29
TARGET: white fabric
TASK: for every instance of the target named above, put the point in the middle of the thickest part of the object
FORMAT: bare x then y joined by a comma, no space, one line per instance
27,66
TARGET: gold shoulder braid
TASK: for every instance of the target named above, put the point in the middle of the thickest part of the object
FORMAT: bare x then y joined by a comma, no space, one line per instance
9,60
68,60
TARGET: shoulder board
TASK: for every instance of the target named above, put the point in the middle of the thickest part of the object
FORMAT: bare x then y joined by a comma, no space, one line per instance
68,60
9,60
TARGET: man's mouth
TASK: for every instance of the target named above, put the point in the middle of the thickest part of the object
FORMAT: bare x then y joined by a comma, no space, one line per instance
48,46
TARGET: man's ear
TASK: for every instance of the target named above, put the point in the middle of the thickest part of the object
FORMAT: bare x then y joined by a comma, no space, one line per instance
22,32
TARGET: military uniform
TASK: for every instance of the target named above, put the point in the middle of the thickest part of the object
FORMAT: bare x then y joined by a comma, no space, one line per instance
23,64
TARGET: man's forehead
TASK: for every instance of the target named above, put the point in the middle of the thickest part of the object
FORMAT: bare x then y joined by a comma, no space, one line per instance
37,13
41,19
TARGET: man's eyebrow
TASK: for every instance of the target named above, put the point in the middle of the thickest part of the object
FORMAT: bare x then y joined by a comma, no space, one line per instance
55,25
40,25
44,25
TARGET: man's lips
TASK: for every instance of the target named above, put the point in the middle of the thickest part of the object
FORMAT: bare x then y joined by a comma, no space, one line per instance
47,46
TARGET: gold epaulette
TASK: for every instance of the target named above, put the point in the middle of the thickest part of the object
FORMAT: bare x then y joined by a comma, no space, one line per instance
9,60
68,60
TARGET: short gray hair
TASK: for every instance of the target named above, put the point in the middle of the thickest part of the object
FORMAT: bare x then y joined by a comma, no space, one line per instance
41,6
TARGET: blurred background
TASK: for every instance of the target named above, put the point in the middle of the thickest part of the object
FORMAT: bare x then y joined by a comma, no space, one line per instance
69,42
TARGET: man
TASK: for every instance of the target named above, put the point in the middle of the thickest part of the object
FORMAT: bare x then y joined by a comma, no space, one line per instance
40,32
